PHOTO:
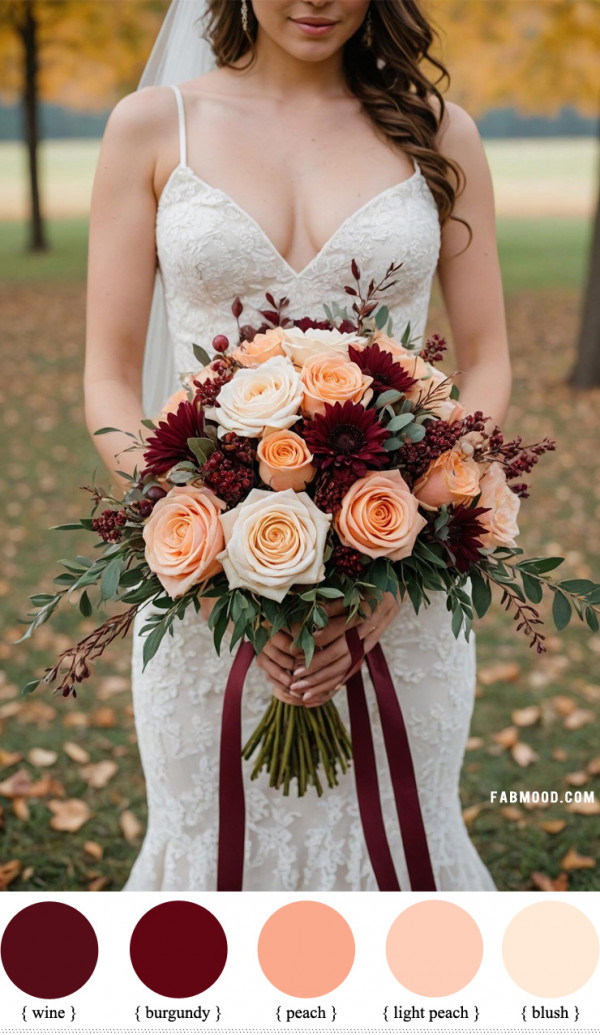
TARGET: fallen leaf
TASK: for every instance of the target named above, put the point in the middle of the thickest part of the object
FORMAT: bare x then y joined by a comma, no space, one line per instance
553,826
7,711
112,685
559,755
17,784
94,849
512,813
526,716
75,752
524,755
593,767
474,743
9,871
97,774
98,884
41,758
564,705
574,861
69,815
37,712
9,758
106,718
471,813
507,737
577,779
500,671
546,883
76,720
28,873
584,808
21,809
130,826
578,718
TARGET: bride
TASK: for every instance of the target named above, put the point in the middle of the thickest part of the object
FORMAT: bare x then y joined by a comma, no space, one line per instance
307,132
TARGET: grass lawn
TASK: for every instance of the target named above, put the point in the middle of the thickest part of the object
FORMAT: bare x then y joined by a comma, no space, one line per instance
539,710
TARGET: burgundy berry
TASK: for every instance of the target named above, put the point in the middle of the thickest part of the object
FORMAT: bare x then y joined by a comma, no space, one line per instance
220,343
155,493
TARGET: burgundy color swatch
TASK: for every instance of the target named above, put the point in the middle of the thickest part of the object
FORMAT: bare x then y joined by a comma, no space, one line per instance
49,950
178,949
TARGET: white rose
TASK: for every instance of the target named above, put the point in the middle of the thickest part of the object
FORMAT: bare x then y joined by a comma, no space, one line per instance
501,521
259,397
301,345
274,540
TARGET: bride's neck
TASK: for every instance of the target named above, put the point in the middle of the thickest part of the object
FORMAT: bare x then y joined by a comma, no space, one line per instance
279,74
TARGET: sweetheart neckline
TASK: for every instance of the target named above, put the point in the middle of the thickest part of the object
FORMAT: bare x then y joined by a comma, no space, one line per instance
296,274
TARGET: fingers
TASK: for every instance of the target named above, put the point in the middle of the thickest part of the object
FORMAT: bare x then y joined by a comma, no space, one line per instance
280,678
280,657
337,628
304,679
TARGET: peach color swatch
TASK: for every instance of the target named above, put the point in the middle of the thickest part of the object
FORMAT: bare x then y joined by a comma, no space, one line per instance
306,949
434,948
550,949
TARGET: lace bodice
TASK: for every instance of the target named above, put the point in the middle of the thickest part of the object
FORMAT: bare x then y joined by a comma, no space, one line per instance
210,249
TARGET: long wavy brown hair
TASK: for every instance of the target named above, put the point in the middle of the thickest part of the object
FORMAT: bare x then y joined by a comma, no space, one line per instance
387,77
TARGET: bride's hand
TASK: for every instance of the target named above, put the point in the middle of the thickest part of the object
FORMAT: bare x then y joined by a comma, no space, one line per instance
277,660
330,667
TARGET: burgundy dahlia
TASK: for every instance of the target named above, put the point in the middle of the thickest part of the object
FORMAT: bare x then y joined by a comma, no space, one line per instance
463,530
381,366
346,437
168,445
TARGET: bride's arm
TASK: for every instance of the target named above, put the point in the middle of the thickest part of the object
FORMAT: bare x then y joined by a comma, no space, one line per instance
120,275
470,277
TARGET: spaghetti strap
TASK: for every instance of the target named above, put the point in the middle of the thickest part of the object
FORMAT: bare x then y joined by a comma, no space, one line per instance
181,113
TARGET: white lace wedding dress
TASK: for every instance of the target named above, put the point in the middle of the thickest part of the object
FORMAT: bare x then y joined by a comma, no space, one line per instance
210,250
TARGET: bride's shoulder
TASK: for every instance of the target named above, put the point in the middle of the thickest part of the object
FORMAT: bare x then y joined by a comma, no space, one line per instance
456,128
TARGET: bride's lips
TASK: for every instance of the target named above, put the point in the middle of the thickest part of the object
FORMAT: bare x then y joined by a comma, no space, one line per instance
313,29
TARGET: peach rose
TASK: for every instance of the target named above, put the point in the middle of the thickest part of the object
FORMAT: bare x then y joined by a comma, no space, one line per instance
172,404
285,461
275,540
183,536
301,345
333,379
442,405
380,516
450,478
501,520
268,396
207,373
262,347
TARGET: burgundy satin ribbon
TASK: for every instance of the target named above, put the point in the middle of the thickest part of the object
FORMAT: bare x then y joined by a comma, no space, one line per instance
232,813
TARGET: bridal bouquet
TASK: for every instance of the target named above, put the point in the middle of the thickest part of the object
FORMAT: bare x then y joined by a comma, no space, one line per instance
312,461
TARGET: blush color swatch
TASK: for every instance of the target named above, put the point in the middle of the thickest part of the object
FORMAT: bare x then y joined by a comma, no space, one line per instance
550,949
49,950
306,949
434,948
178,949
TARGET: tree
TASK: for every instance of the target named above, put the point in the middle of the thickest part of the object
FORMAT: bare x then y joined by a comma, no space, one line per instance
536,56
82,53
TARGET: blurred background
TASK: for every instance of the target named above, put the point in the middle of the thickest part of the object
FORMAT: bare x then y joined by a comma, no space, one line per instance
72,806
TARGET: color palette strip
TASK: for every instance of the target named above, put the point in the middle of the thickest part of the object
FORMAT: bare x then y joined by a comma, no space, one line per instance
306,949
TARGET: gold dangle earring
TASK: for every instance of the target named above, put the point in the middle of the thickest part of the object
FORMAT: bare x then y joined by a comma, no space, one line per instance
367,36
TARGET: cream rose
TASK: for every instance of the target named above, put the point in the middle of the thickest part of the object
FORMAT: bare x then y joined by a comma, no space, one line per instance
261,348
331,379
501,520
285,461
451,478
183,536
275,540
268,396
380,516
301,345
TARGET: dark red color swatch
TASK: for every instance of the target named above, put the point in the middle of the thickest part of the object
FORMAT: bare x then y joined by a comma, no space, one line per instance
49,950
178,949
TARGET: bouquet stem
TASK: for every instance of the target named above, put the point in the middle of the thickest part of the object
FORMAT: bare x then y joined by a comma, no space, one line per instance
295,742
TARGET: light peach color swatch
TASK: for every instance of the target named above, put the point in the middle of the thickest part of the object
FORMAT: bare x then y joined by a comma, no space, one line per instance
434,948
550,949
306,949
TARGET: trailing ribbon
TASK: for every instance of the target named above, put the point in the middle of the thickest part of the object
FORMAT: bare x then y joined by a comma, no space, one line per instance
232,812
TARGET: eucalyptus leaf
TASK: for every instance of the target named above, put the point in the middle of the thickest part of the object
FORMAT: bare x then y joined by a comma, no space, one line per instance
201,355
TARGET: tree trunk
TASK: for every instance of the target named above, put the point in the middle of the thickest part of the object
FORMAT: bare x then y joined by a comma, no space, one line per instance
37,240
586,370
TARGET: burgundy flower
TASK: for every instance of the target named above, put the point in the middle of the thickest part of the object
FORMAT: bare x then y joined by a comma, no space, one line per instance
168,445
381,366
463,530
346,436
307,323
229,480
348,561
332,487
